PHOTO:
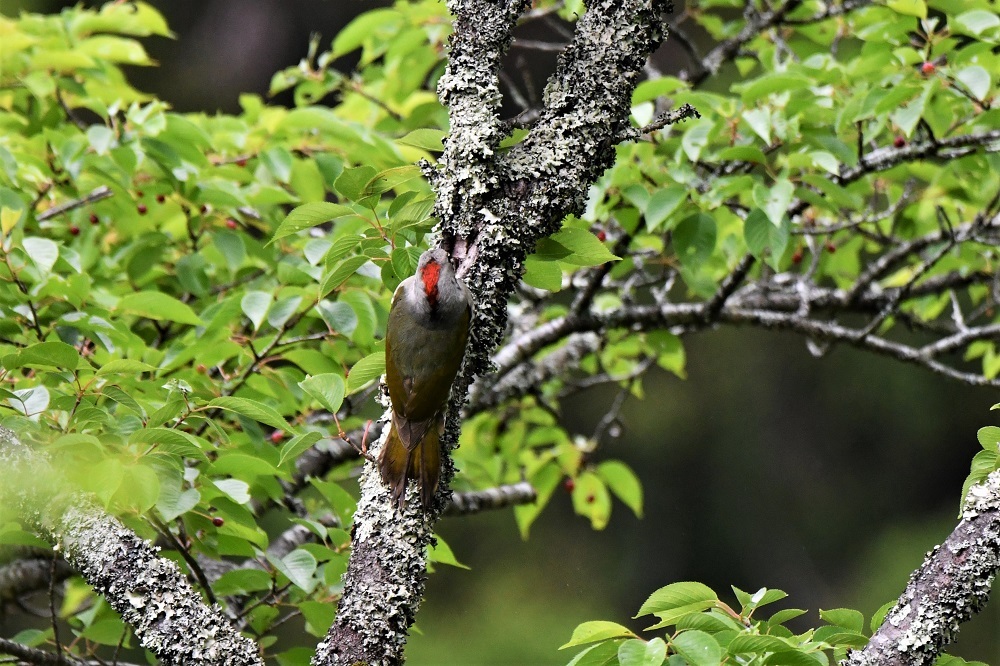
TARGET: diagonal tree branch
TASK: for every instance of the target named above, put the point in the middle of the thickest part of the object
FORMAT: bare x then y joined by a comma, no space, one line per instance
950,586
149,592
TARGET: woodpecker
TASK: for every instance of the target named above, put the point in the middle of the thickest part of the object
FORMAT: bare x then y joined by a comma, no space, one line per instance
425,341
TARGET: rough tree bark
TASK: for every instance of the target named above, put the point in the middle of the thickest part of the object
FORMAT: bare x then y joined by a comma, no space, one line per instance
493,207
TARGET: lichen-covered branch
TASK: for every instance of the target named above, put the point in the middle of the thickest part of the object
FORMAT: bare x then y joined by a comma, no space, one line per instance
493,207
950,586
150,593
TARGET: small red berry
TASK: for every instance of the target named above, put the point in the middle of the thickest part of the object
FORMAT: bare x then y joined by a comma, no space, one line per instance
232,224
590,499
831,248
797,257
241,162
899,142
138,193
928,68
160,198
94,219
218,521
74,230
142,209
203,209
201,368
602,236
277,436
569,484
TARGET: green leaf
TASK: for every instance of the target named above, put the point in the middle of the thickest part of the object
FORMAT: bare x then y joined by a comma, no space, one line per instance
390,178
542,273
342,273
916,8
441,553
694,240
428,139
637,652
591,500
576,246
42,252
662,205
327,389
774,200
597,630
764,239
298,567
976,79
171,441
352,182
242,581
253,410
698,648
369,368
989,438
159,307
678,595
173,501
975,22
255,305
623,482
295,446
310,215
44,354
124,366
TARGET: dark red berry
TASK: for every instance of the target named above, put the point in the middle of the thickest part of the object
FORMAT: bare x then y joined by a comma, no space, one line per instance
602,236
590,499
75,230
928,68
797,257
142,209
241,162
201,369
218,521
138,193
232,224
203,209
569,484
277,436
899,142
160,198
831,248
94,219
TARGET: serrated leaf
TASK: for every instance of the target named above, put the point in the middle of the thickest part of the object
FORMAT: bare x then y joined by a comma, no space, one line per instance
159,307
583,248
698,648
678,595
342,273
298,566
295,446
384,181
662,205
367,369
42,252
171,440
44,354
916,8
124,366
310,215
351,183
637,652
253,410
428,139
774,200
441,553
989,438
255,305
542,273
597,630
328,389
694,240
623,482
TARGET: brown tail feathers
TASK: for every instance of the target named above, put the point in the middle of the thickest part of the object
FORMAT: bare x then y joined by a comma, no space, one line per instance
423,463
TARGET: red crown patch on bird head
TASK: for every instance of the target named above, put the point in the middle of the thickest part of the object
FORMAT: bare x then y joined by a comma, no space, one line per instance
429,274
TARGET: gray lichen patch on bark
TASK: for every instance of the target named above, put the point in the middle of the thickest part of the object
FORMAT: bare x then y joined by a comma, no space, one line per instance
951,585
149,592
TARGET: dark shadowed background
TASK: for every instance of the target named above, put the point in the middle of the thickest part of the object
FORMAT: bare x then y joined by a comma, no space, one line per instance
828,478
